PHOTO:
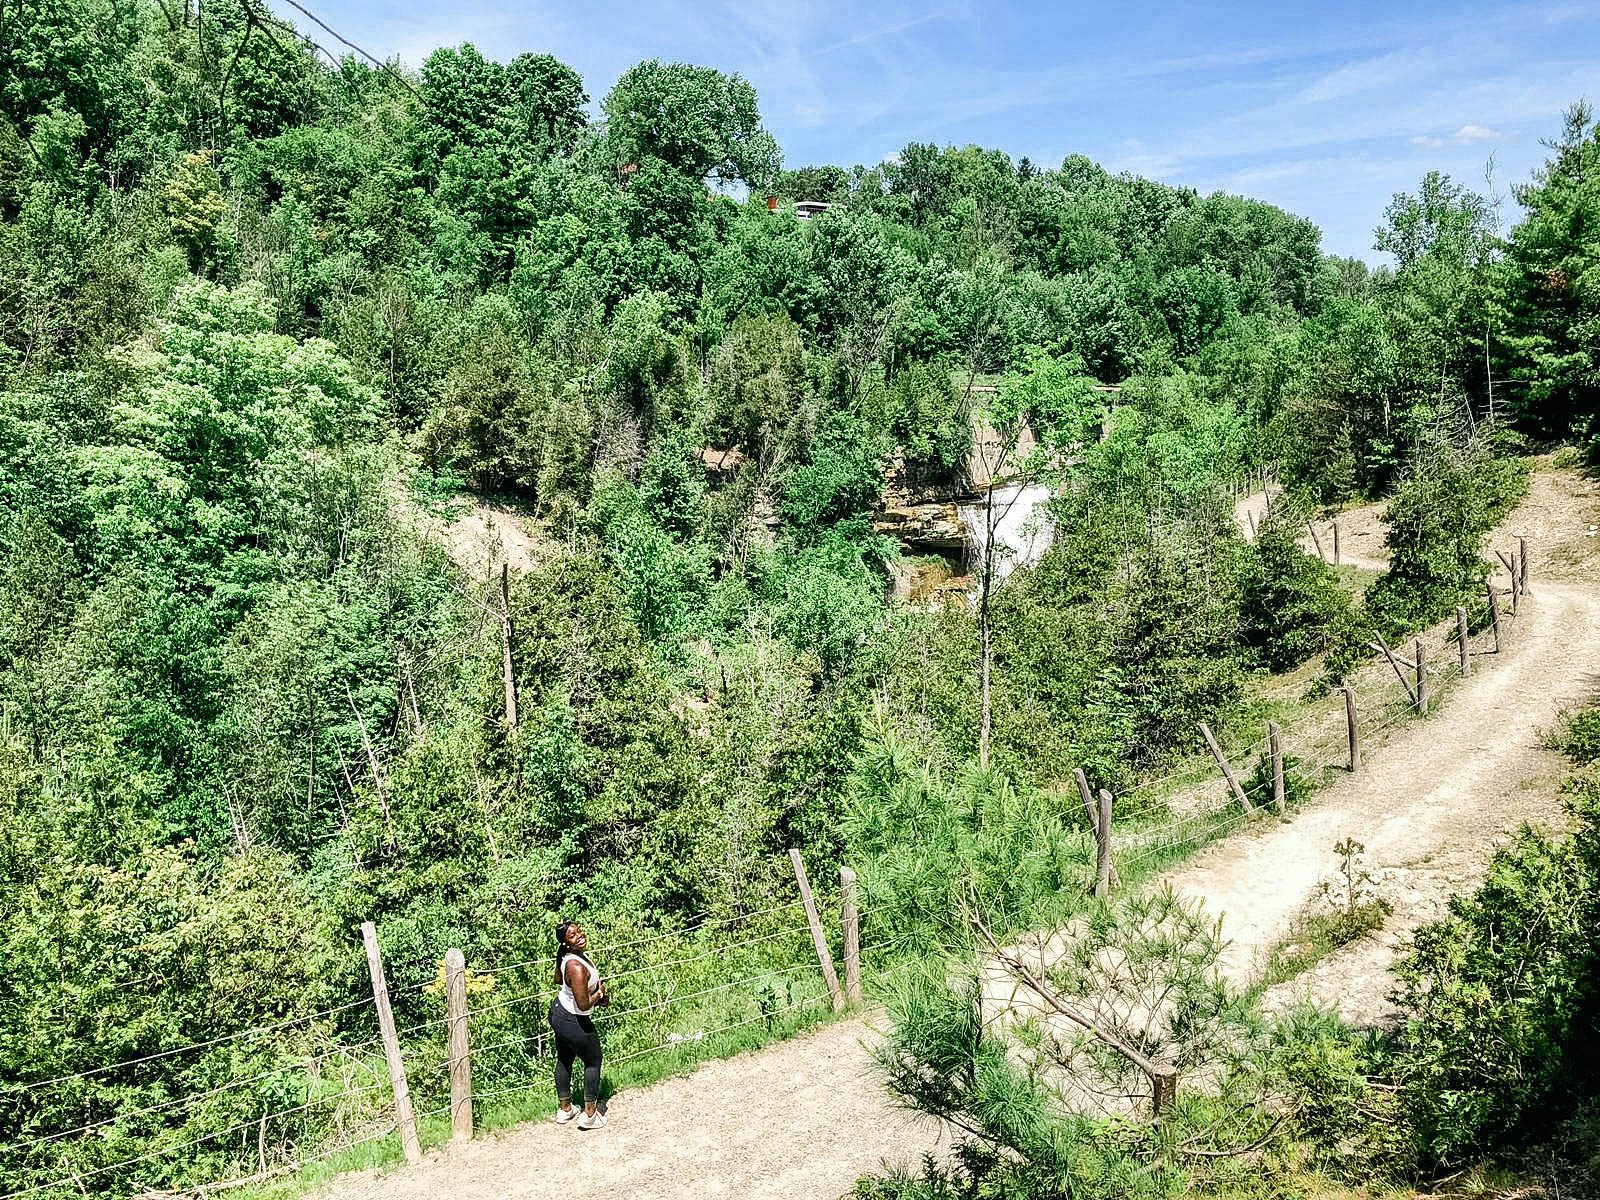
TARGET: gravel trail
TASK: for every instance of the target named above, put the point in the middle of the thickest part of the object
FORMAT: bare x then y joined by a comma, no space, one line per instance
799,1120
1442,794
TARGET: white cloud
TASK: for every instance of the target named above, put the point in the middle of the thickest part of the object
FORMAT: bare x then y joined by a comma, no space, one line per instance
1468,134
1370,74
1423,139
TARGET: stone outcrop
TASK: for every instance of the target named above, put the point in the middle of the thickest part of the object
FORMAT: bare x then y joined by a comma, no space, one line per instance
935,526
923,519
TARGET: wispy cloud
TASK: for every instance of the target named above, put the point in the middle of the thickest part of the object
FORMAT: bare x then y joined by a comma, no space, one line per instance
1469,133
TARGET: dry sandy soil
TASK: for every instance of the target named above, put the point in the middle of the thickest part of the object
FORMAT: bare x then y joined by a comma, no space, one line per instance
804,1119
483,536
800,1120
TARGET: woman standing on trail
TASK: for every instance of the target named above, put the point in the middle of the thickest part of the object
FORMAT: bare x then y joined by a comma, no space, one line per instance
576,1036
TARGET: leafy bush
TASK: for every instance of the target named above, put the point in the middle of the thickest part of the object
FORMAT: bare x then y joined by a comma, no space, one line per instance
1346,1125
1499,998
1297,789
1578,736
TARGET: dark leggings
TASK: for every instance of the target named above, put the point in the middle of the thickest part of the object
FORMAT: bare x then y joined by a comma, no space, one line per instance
576,1037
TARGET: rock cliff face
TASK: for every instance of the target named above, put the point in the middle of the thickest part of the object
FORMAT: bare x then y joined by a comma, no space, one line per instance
928,527
923,519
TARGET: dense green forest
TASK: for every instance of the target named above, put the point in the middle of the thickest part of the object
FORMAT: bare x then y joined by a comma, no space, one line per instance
266,315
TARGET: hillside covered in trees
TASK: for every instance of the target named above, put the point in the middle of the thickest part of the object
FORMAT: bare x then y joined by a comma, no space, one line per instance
267,316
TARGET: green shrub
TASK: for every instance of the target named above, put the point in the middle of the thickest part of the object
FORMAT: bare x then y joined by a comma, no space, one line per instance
1346,1124
1293,603
1297,789
1578,736
1499,1000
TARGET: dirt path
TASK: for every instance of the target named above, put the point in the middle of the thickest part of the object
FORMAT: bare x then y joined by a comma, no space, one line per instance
801,1120
1442,794
1361,531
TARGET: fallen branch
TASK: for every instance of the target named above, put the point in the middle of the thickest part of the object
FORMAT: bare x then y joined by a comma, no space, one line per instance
1241,1150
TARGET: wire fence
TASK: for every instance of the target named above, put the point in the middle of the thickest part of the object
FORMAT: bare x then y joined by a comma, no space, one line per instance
687,1004
1311,754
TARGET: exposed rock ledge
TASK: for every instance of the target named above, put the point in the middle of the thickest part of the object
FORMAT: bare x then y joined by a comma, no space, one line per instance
932,526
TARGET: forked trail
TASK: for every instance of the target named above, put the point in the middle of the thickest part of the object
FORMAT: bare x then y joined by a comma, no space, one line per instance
804,1119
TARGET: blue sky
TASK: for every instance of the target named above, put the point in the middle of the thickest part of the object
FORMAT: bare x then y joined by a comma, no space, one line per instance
1326,110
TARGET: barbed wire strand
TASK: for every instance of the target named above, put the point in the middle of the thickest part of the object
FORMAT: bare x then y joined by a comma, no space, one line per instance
217,1041
189,1145
549,959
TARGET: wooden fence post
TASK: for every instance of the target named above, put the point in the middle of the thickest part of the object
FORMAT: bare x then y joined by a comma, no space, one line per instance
1351,725
1522,563
455,970
1395,663
405,1120
1461,639
508,675
1516,593
1494,615
1336,541
824,956
1316,541
1251,517
1422,678
1275,744
850,918
1227,771
1102,863
1087,797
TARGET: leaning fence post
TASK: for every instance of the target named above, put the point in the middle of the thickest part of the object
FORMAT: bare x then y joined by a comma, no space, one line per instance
405,1120
1461,639
455,970
1351,725
1494,615
824,956
850,918
1227,771
1102,865
1275,745
1422,678
1316,541
1087,797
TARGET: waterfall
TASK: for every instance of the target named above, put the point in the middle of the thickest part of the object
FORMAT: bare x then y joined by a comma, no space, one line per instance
1023,529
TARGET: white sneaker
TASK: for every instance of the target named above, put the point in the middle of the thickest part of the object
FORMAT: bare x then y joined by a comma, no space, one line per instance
598,1121
563,1115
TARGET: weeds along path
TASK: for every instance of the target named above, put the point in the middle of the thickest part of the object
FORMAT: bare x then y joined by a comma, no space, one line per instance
1440,794
799,1120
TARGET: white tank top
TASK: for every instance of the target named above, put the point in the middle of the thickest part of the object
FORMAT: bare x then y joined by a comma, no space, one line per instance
567,1000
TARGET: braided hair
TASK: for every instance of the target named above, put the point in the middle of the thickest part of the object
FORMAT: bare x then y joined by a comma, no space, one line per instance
563,950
